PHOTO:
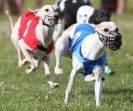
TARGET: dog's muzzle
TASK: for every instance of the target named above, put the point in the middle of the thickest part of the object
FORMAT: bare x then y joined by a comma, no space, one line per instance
113,40
53,20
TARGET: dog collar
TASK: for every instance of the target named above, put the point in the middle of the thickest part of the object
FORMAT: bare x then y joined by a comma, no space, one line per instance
45,23
49,49
40,47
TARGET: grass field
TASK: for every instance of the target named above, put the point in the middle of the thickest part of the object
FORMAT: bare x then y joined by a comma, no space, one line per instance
22,92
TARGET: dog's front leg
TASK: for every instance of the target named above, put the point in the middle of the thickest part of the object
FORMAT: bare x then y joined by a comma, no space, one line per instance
57,31
62,46
98,85
69,87
47,73
58,55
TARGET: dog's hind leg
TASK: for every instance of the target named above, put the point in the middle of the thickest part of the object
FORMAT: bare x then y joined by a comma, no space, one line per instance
47,72
27,56
19,56
21,61
98,85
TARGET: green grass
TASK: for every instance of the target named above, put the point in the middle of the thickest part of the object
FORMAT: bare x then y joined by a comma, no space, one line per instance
22,92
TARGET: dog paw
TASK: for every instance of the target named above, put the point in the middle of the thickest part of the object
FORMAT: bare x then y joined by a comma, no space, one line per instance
29,70
90,78
23,62
54,85
65,101
58,71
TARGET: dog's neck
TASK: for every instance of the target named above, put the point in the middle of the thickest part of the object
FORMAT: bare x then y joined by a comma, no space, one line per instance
44,34
92,48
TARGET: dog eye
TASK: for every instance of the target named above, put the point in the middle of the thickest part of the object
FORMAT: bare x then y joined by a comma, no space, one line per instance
46,10
117,29
57,10
106,30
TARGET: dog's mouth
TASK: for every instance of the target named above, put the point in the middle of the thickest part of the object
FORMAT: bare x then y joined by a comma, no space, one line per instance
50,21
113,40
53,20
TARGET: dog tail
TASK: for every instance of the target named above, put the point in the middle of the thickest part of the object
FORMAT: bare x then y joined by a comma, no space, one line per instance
10,19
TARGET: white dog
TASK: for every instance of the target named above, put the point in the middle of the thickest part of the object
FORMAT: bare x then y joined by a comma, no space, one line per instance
32,34
88,51
85,14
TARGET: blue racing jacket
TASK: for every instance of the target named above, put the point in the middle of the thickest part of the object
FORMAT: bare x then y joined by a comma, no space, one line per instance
81,32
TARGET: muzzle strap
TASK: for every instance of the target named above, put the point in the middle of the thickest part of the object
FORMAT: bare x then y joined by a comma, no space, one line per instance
112,40
102,38
45,23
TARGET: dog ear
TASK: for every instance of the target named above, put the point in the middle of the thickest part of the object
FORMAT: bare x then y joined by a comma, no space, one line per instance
34,11
99,16
106,12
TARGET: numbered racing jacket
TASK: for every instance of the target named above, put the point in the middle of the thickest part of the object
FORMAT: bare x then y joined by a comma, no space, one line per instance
81,32
27,32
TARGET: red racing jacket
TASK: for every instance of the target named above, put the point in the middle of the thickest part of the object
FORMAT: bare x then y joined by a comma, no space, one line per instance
27,31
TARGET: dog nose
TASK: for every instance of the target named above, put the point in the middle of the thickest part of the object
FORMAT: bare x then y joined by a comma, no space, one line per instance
56,17
118,35
57,10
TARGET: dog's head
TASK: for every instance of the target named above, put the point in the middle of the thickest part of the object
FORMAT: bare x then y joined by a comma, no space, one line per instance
100,15
49,14
109,34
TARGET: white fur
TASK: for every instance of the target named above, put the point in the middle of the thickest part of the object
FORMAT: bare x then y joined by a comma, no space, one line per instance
44,35
92,48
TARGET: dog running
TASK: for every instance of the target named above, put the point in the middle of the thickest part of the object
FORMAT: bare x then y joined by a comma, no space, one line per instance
88,45
85,14
32,37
